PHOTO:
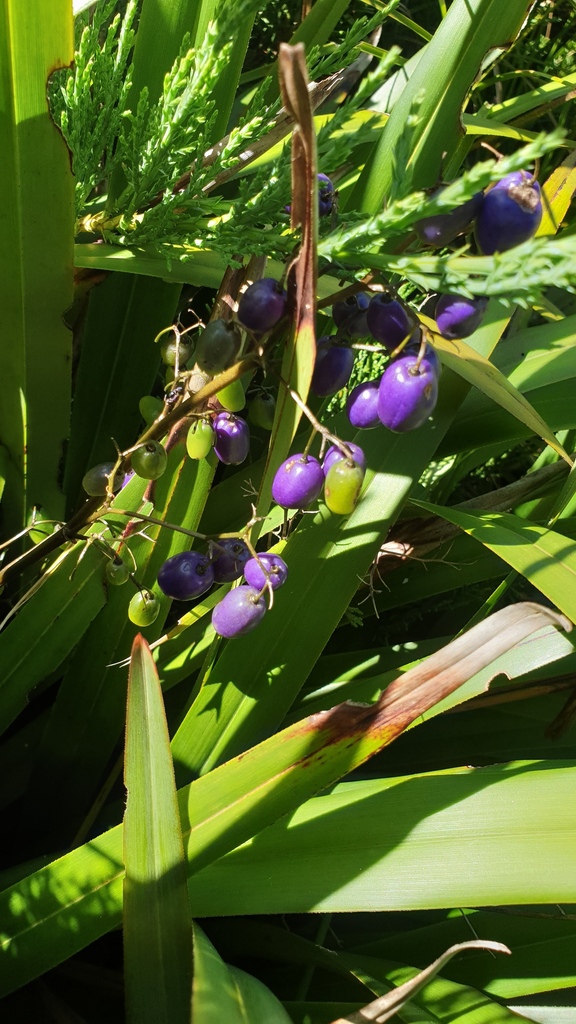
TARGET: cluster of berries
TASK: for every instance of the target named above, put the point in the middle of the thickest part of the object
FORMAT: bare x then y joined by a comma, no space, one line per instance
300,479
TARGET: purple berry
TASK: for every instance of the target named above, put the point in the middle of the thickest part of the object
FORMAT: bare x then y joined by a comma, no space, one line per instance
458,317
232,442
298,482
430,353
441,228
262,305
350,315
408,394
228,564
362,405
332,368
186,575
388,320
335,455
275,565
238,612
325,195
510,214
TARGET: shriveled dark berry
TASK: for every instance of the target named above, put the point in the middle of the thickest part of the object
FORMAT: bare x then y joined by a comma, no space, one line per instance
262,305
510,214
458,317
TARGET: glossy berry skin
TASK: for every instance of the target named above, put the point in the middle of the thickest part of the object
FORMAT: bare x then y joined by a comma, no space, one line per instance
325,195
458,316
261,411
334,455
362,405
150,460
430,353
232,397
232,442
229,559
298,482
408,394
95,481
116,572
350,315
442,228
262,305
388,321
332,368
200,439
150,408
186,575
343,485
238,612
276,566
510,214
176,350
143,608
218,346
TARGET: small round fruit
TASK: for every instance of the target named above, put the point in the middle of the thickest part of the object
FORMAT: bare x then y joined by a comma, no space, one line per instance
116,572
176,350
325,195
334,454
413,349
510,214
143,608
200,439
261,411
350,315
332,368
238,612
408,394
343,485
95,482
388,320
232,397
186,575
150,460
459,317
442,228
229,558
232,442
276,567
298,482
362,405
150,408
262,305
218,346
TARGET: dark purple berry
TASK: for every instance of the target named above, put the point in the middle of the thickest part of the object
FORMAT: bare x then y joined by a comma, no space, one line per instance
408,393
388,320
298,482
442,228
350,315
459,317
238,612
186,575
332,368
325,195
334,454
218,346
262,305
430,353
510,214
362,405
276,567
232,442
228,564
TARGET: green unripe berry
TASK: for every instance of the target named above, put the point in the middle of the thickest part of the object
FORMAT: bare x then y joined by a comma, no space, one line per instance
150,408
218,346
176,349
149,460
200,439
143,608
96,481
116,572
232,397
342,487
261,411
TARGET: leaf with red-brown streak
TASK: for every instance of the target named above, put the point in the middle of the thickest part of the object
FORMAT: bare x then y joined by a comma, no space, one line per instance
300,351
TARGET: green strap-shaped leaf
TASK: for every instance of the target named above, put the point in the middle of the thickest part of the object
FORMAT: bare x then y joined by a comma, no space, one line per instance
221,993
157,920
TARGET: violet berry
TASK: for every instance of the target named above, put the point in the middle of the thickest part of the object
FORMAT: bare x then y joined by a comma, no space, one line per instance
408,393
510,214
334,454
239,612
362,405
389,322
458,316
229,558
442,228
186,575
325,195
350,315
298,481
332,368
262,305
276,567
232,442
